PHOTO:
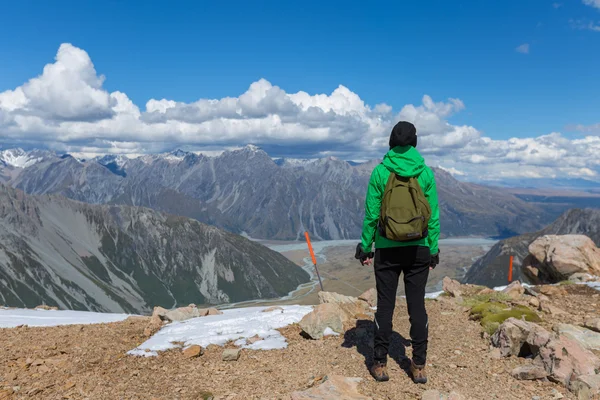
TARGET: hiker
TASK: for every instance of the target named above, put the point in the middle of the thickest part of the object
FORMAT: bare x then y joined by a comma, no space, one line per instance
402,218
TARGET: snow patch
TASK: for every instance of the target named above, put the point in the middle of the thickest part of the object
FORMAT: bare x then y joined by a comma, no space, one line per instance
235,325
330,332
18,158
10,318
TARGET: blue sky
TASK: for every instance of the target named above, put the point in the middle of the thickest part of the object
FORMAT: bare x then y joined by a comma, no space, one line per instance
384,52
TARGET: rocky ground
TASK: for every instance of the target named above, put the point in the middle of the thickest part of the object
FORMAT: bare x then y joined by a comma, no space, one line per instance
90,362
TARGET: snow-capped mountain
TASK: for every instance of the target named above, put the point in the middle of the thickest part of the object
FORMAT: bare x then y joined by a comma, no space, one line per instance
245,190
79,256
18,158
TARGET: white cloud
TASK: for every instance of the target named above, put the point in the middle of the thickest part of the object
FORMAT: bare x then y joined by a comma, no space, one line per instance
592,3
585,25
67,109
523,49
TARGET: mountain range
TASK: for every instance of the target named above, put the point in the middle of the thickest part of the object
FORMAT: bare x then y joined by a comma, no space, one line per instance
110,258
247,191
492,269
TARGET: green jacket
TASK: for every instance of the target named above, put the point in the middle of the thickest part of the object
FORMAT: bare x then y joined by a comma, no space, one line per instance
406,162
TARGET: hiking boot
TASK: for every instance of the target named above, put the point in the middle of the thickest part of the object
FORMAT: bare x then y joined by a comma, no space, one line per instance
379,372
418,373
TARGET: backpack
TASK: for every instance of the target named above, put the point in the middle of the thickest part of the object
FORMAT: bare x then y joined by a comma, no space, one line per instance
405,211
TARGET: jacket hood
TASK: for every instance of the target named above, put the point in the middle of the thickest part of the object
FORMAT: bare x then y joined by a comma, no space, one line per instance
404,161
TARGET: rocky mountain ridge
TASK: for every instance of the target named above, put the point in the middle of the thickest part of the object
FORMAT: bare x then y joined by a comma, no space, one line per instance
247,191
79,256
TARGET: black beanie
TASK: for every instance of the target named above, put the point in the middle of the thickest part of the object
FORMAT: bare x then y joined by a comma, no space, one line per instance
403,134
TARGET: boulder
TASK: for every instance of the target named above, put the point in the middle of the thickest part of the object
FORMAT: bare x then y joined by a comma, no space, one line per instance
47,308
160,313
352,306
533,301
213,311
231,354
189,312
333,387
586,386
558,257
593,324
452,287
549,308
529,372
370,296
193,351
553,291
563,359
585,337
515,290
323,316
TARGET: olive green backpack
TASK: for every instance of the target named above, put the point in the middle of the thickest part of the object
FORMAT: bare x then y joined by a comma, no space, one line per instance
405,211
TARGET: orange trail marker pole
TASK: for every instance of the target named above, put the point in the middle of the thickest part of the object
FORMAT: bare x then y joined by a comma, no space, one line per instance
510,269
314,260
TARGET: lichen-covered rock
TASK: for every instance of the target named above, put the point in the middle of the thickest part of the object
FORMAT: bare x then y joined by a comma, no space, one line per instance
323,316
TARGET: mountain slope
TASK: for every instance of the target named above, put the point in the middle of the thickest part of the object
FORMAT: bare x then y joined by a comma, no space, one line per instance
492,269
246,191
127,259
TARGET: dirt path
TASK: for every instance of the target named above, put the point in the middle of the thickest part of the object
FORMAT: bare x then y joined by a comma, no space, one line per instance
79,362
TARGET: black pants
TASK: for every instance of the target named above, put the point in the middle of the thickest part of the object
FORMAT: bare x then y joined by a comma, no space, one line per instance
414,262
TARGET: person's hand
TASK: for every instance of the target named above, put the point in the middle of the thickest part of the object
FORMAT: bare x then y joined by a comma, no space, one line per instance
435,260
365,258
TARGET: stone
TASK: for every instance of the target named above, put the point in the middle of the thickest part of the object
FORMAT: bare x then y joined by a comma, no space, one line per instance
193,351
580,277
47,308
530,292
432,394
370,296
451,287
323,316
547,307
333,387
231,354
559,257
515,290
160,312
553,291
585,337
592,324
154,325
214,311
529,372
586,386
486,291
184,313
352,306
495,354
561,357
271,309
253,339
534,302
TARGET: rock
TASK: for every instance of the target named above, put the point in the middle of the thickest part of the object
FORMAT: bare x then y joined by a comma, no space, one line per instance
160,312
451,287
154,325
253,339
581,277
530,292
193,351
529,372
183,313
333,387
370,296
561,357
432,395
553,291
533,301
514,290
271,309
547,307
47,308
593,324
352,306
323,316
485,291
214,311
231,354
586,386
585,337
495,354
559,257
